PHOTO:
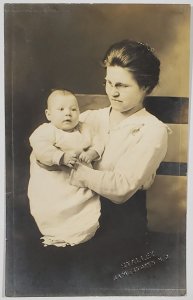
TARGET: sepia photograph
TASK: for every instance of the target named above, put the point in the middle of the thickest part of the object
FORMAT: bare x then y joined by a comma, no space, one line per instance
97,136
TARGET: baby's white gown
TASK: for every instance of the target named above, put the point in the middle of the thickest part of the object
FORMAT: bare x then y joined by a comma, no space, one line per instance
65,214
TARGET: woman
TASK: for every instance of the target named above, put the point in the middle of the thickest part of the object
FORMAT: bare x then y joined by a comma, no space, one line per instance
135,145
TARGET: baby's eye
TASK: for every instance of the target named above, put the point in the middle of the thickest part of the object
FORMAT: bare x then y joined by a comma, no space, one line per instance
61,108
73,109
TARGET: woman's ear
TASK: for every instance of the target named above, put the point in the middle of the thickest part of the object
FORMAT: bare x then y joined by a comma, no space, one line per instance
47,113
146,90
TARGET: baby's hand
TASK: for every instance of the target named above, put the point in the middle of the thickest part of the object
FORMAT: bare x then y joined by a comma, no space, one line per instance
88,156
70,158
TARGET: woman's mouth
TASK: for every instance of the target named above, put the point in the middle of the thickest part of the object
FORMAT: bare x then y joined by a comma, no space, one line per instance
116,100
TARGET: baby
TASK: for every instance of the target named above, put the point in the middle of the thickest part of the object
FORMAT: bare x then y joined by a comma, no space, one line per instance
65,214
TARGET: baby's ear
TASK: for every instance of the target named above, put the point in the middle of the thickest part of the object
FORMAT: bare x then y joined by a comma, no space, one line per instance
47,113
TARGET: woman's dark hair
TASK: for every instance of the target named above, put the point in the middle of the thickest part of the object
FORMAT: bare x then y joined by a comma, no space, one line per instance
138,58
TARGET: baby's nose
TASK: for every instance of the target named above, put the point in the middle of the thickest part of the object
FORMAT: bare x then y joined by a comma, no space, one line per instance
67,112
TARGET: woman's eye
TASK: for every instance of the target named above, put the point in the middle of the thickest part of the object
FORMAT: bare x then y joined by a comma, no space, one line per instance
109,83
117,85
73,109
61,108
122,85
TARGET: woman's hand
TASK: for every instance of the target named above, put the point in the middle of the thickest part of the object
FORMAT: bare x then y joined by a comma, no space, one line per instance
78,174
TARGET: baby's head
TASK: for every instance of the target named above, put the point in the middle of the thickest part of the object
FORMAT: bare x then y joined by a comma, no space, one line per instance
62,110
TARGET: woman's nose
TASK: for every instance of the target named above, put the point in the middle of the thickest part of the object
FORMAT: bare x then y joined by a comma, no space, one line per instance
114,92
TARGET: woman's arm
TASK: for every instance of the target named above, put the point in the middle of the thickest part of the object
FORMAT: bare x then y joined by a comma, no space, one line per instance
132,171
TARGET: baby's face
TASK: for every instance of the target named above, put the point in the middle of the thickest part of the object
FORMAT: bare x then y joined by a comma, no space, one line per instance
63,111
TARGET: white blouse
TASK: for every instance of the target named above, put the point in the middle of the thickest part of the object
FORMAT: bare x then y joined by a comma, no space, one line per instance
133,152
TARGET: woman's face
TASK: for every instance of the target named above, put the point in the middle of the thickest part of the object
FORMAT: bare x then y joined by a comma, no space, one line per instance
123,90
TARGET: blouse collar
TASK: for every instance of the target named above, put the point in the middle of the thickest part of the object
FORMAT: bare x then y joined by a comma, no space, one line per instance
138,118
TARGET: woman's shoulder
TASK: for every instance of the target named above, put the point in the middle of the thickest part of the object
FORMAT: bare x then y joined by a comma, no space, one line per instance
94,115
152,121
83,127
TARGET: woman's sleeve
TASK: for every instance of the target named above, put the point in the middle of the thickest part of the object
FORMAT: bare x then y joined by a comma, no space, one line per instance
97,145
132,171
42,143
90,119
